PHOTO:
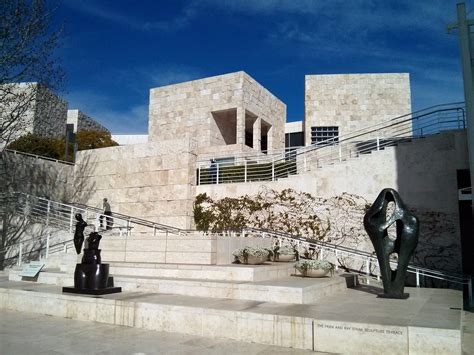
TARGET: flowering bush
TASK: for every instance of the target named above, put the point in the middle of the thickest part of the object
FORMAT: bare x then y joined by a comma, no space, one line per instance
304,265
250,251
285,250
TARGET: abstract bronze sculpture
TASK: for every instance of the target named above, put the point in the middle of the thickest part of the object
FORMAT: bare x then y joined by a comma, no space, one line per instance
79,232
376,224
91,276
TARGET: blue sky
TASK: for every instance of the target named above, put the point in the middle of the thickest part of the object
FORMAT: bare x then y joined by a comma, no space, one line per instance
114,51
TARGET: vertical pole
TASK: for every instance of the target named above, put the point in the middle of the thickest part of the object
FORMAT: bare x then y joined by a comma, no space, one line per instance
71,219
468,79
199,175
417,278
217,173
245,171
273,169
378,142
128,228
47,245
336,263
321,254
47,212
20,253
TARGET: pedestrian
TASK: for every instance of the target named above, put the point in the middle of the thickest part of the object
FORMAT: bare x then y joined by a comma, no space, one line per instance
106,214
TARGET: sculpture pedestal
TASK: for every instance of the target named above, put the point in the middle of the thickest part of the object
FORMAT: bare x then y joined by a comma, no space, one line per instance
92,279
403,296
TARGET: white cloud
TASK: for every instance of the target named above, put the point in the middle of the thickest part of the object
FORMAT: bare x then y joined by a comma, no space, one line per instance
104,109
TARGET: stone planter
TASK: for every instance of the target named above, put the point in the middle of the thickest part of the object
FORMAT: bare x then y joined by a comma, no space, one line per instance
315,272
253,260
286,257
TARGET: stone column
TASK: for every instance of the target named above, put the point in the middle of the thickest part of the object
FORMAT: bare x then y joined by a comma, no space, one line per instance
257,134
270,145
240,139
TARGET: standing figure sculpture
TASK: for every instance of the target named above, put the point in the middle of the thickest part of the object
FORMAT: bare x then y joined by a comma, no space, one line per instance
79,232
376,224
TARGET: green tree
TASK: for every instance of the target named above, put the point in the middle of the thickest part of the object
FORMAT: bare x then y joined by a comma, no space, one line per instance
94,139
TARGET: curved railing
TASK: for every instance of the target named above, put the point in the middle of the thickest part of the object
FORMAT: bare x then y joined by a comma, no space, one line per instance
261,167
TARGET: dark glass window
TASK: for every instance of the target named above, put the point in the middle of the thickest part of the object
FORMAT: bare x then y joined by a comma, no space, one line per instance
295,139
324,135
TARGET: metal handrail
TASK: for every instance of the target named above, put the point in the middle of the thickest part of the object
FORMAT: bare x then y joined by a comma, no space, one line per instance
368,259
15,152
248,168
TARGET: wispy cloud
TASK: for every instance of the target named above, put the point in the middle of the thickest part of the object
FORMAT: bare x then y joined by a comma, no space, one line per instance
106,110
100,11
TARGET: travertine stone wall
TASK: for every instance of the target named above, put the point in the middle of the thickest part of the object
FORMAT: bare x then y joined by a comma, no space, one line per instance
152,181
31,108
50,113
39,177
186,110
354,101
424,172
82,122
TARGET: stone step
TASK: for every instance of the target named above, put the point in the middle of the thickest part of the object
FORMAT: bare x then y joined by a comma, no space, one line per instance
232,272
290,289
351,321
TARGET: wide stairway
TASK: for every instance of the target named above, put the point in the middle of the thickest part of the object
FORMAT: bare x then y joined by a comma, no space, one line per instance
184,281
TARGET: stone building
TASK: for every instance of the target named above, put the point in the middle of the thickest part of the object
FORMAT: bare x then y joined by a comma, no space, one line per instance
31,108
82,122
338,104
231,110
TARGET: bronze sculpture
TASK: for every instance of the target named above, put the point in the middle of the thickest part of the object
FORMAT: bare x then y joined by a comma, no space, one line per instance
376,225
79,232
91,276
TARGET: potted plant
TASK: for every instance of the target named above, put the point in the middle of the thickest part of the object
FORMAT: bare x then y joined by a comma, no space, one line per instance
284,253
314,268
251,255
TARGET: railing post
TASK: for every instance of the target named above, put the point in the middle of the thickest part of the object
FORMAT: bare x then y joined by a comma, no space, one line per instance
71,219
321,254
273,169
469,292
48,209
199,175
65,247
20,253
378,142
128,228
47,245
336,263
245,171
417,278
154,230
217,173
367,269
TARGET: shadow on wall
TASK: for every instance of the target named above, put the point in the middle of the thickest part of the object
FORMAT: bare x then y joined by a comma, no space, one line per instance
427,182
38,177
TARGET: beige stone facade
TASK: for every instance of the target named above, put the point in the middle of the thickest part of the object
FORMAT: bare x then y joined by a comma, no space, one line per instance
30,108
82,122
231,109
153,181
354,101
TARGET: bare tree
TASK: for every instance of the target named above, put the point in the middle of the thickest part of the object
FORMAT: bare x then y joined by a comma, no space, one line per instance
28,65
27,56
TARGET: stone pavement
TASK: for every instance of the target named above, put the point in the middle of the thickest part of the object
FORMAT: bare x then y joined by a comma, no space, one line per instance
28,333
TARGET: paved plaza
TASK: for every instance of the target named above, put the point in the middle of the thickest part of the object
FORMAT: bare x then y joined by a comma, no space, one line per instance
28,333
